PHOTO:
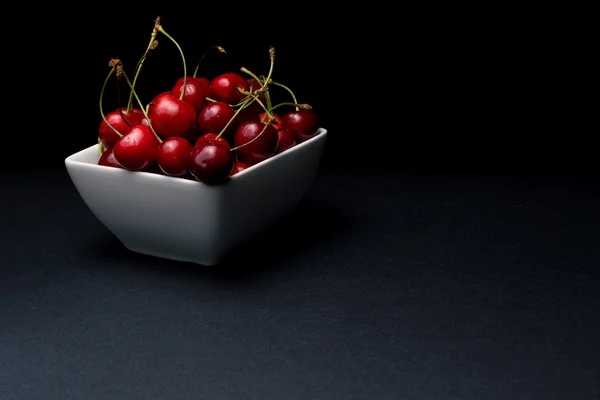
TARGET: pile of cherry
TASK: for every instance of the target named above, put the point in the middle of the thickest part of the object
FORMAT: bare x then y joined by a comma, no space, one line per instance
202,129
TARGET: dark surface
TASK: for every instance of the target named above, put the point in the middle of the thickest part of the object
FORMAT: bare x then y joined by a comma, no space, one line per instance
381,285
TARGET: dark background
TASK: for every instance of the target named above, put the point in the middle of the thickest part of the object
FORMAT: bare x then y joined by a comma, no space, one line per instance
414,87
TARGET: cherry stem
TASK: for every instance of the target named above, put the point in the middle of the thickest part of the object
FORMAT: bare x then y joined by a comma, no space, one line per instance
112,63
269,115
119,74
257,79
142,107
151,46
266,80
183,87
232,118
288,89
252,140
298,106
255,98
221,50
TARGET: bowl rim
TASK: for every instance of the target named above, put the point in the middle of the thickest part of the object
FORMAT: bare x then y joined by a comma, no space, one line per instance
71,160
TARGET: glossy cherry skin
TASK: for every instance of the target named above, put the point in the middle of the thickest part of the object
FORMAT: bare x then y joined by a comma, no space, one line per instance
195,91
214,117
210,162
239,166
304,124
225,88
136,151
264,118
261,148
286,141
171,116
172,156
202,80
158,96
212,136
108,159
109,137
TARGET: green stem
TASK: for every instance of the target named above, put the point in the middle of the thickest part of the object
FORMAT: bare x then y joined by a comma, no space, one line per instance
119,102
110,73
142,107
269,115
289,90
298,106
258,80
268,78
244,105
221,50
267,94
151,45
253,139
183,87
255,98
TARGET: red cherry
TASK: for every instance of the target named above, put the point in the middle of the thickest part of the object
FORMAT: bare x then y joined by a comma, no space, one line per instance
108,159
225,88
214,116
171,116
136,151
108,137
264,118
158,96
239,166
172,156
261,148
211,136
304,124
286,141
210,161
202,80
195,91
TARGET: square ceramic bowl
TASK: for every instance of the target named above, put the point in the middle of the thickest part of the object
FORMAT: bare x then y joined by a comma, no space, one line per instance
186,220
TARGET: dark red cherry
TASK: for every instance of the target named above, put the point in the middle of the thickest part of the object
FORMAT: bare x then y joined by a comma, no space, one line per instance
211,136
195,91
214,117
304,124
158,96
286,141
136,150
108,136
225,88
108,159
172,156
259,149
202,80
239,166
171,116
210,161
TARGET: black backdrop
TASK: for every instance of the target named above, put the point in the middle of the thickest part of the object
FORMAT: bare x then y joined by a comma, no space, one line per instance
405,87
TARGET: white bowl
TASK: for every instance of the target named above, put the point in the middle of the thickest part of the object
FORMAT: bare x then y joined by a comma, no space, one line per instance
185,220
